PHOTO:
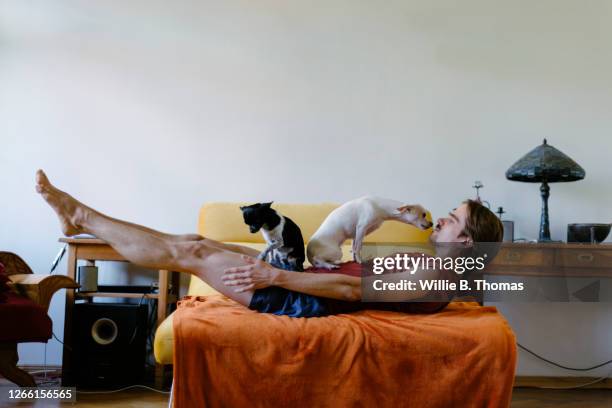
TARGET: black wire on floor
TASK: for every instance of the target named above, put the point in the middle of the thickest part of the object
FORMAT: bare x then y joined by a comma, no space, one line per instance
125,388
561,365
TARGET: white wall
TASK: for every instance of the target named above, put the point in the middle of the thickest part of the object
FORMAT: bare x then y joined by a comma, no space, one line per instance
146,109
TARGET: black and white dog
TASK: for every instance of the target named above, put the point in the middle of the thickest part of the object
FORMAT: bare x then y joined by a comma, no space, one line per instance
285,248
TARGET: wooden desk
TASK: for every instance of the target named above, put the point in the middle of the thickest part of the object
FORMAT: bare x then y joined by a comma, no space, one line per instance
557,259
91,250
553,259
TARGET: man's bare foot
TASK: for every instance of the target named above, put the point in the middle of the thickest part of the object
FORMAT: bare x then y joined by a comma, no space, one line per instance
70,212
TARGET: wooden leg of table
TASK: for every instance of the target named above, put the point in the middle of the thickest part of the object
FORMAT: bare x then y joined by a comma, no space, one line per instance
67,355
162,305
9,369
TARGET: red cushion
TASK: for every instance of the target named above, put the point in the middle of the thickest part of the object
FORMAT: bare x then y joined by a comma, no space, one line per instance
22,320
346,268
3,284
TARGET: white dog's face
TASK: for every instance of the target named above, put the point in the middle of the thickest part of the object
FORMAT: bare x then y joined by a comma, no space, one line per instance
414,214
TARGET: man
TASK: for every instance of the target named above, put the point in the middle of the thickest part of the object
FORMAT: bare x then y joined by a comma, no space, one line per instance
233,270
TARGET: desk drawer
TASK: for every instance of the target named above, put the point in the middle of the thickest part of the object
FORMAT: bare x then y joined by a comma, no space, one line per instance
584,258
524,257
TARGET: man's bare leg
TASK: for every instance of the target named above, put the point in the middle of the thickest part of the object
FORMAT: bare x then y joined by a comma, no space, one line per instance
241,249
195,237
143,246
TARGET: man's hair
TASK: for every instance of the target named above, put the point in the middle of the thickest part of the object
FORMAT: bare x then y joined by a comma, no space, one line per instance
481,224
484,228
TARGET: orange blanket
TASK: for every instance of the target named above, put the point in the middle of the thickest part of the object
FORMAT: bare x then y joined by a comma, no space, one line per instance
226,355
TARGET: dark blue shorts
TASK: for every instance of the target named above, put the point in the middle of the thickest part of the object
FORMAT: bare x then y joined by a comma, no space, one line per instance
280,301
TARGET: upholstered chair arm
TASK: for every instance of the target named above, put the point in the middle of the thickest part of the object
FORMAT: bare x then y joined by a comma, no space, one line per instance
40,288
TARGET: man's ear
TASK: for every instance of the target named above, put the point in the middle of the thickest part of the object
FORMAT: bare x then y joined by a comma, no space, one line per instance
405,208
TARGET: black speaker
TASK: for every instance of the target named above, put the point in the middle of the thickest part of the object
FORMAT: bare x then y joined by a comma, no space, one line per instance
108,344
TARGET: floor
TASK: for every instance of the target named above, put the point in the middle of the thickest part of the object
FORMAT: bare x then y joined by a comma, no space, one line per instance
521,398
138,397
536,398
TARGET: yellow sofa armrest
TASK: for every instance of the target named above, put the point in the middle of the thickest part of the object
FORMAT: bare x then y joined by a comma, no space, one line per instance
163,345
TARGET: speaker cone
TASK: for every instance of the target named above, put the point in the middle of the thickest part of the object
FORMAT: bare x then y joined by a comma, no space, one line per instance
104,331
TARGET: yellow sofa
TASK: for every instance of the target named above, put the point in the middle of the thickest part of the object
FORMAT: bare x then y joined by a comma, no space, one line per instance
223,222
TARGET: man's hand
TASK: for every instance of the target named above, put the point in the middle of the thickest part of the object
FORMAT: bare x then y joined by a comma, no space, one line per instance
256,274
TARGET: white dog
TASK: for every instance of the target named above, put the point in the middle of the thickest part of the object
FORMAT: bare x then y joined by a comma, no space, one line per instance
356,219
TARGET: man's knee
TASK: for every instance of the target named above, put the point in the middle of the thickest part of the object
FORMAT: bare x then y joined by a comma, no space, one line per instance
192,253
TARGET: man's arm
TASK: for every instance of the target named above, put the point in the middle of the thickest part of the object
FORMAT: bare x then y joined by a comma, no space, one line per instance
345,287
257,274
328,285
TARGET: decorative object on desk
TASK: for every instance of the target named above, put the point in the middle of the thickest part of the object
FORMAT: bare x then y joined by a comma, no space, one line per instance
545,164
88,278
477,186
588,233
508,226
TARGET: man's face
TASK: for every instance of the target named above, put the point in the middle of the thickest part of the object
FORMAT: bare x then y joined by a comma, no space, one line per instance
450,229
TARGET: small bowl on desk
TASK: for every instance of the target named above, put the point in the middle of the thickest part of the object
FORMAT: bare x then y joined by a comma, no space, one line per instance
588,233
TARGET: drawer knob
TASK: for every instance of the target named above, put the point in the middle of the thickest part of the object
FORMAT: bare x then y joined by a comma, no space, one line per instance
585,257
513,256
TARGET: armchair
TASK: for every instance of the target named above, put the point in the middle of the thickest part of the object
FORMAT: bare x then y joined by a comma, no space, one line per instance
23,314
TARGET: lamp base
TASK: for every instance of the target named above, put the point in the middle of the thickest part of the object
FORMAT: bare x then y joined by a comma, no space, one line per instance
544,223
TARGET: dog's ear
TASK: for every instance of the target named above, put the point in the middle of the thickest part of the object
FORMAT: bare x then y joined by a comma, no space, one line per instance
242,207
267,204
405,208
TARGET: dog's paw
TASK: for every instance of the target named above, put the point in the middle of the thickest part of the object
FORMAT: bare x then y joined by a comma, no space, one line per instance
325,265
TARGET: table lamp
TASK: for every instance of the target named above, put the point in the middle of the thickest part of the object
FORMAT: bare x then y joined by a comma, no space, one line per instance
545,164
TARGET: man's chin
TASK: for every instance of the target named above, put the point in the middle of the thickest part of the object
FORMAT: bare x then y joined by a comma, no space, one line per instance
433,237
